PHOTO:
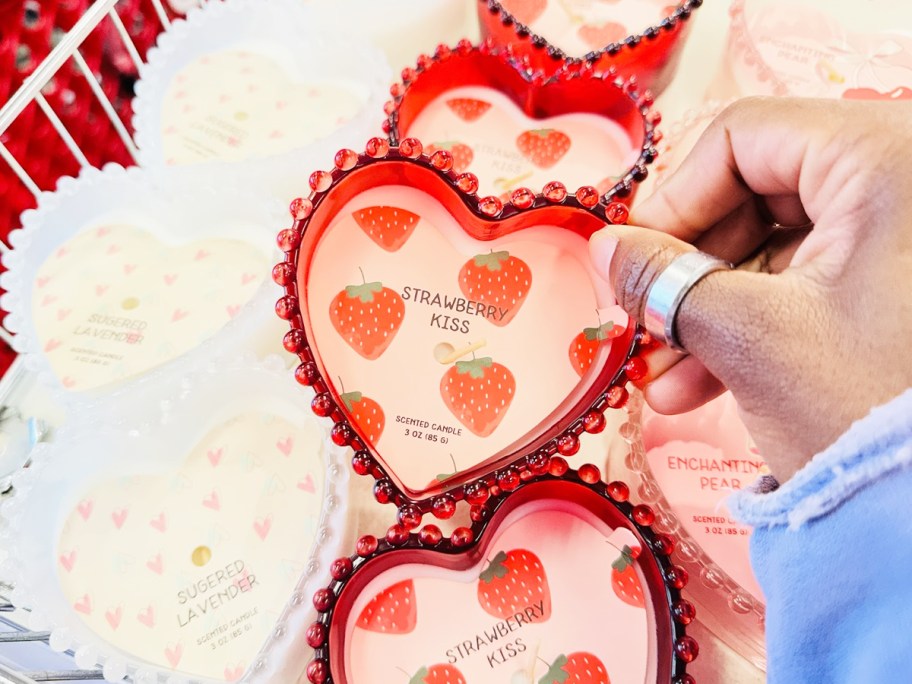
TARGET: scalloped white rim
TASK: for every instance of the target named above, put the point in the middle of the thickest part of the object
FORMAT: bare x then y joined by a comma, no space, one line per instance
223,24
161,202
43,495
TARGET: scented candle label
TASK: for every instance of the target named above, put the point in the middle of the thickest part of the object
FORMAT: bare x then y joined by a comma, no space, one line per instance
238,104
857,51
490,136
582,26
698,460
115,301
447,350
189,569
556,597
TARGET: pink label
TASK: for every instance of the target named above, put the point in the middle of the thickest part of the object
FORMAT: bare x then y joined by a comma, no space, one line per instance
114,302
489,136
698,459
581,26
189,569
829,52
447,350
557,598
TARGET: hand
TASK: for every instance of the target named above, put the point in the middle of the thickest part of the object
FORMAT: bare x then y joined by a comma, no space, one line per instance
823,333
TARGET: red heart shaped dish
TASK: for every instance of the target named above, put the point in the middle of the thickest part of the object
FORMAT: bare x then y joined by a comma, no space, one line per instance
457,342
641,38
513,127
558,581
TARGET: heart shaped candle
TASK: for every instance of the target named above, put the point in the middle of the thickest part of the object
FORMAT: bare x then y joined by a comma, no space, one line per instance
560,580
120,272
169,537
513,128
688,465
821,49
248,91
641,38
412,302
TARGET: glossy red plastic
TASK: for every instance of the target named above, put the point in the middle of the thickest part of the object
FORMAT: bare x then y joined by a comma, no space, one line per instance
569,90
651,54
670,648
384,167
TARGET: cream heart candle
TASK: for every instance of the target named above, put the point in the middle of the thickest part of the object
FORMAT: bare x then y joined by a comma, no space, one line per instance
560,580
120,272
412,300
822,49
513,129
247,90
688,465
175,541
641,38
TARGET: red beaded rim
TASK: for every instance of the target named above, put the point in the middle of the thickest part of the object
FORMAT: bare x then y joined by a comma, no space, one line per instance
675,648
670,23
587,213
504,58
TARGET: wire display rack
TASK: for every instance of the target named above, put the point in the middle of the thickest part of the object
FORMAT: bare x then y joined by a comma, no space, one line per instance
69,111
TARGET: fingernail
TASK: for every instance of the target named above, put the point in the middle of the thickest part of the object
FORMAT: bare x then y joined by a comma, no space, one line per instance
601,249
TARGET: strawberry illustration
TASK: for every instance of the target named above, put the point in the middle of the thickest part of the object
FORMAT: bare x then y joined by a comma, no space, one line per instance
438,674
468,108
624,579
544,147
512,582
525,11
366,414
599,36
478,393
367,316
576,668
586,344
498,280
901,93
462,154
392,611
389,227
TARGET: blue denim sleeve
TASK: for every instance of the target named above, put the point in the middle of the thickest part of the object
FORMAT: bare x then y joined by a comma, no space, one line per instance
832,550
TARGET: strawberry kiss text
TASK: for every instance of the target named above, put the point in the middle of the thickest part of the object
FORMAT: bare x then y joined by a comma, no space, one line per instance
497,638
458,304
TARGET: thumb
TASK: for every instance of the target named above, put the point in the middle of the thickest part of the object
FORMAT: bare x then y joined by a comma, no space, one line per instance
732,322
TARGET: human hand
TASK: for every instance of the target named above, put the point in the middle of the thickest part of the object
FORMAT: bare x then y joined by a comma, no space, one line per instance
823,332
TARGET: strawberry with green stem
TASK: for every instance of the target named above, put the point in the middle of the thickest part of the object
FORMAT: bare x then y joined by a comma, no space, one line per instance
544,147
435,674
367,317
575,668
624,579
585,345
478,393
512,582
498,280
365,413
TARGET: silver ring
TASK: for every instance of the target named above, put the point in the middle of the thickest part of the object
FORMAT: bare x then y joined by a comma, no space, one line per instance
670,288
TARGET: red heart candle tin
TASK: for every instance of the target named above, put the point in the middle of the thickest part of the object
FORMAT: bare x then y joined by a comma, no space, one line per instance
514,127
456,341
637,38
558,581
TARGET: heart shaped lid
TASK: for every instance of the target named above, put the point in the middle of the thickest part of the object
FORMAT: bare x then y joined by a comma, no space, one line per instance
551,33
560,580
412,304
513,126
